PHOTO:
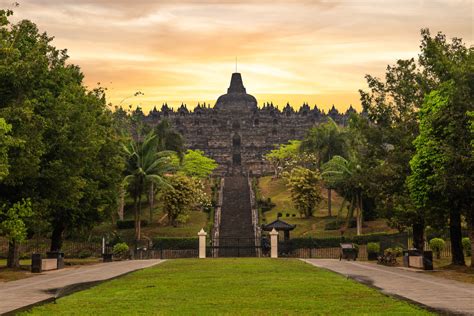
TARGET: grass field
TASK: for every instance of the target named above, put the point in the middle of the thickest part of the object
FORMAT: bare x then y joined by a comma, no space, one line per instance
232,287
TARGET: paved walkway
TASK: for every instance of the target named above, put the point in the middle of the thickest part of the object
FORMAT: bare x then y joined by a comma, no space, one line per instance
22,293
440,294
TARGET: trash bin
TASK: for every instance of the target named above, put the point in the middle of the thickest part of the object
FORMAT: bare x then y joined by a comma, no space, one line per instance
36,266
56,255
428,260
406,259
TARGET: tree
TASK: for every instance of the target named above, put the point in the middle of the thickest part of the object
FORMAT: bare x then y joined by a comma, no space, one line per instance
13,227
347,177
67,160
282,155
442,167
144,165
325,141
195,164
6,142
304,185
179,197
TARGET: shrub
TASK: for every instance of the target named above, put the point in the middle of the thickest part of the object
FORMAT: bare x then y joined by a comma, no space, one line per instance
120,250
175,243
127,224
397,251
293,215
265,204
287,214
373,247
338,223
466,244
437,244
85,253
279,215
308,242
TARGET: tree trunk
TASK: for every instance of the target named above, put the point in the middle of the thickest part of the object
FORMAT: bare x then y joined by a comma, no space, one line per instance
418,235
57,237
121,206
471,236
359,214
135,210
329,202
139,212
151,200
455,233
13,258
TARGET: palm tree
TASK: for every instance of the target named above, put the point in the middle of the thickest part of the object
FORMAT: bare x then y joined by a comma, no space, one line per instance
144,165
326,141
346,175
168,139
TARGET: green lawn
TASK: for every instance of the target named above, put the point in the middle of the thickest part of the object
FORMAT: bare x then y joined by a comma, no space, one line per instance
232,287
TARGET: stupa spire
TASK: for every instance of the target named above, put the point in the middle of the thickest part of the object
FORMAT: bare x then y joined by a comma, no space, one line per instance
236,84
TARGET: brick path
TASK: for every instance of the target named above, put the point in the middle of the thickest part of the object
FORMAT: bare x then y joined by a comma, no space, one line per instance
441,294
22,293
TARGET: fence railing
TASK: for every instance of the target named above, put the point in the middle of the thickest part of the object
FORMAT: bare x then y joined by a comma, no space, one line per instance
71,249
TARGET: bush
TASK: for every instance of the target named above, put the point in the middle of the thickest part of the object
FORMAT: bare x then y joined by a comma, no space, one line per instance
265,204
466,244
338,223
279,215
397,251
388,239
120,250
373,247
437,245
85,253
127,224
175,243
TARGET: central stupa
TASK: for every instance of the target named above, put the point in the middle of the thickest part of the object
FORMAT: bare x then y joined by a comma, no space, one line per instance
236,98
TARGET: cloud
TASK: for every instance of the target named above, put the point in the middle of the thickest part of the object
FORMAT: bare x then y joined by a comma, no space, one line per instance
305,51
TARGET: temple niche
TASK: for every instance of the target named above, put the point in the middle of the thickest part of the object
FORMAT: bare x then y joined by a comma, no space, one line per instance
236,132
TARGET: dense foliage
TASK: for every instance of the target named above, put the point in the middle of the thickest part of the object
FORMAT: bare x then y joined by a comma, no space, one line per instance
304,185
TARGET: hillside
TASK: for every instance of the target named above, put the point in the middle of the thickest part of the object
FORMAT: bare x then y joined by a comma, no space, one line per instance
276,190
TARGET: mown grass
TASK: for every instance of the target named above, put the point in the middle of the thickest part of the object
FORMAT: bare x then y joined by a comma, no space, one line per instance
232,287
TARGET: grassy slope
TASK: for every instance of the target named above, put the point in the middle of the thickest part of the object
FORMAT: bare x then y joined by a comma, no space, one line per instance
230,286
277,191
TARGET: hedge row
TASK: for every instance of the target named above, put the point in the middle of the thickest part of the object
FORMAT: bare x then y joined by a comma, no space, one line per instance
175,243
130,224
305,242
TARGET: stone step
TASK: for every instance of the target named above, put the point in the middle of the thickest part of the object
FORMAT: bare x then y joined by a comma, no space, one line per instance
236,218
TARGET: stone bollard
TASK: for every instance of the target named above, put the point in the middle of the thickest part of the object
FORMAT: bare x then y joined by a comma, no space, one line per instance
274,243
202,243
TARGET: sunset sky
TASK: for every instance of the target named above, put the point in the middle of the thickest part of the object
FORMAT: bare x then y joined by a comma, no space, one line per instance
288,51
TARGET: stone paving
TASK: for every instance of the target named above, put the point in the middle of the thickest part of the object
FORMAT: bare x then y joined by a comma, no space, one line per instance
21,293
440,294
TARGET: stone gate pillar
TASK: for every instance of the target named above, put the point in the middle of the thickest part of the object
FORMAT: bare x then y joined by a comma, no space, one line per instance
274,243
202,243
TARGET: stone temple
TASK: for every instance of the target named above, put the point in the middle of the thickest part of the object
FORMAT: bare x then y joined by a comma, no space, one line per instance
237,133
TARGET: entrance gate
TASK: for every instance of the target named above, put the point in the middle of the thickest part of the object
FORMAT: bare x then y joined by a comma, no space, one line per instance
234,247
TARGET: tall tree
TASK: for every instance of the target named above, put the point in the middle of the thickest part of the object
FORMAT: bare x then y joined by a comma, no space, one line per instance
443,165
64,130
347,176
325,141
195,164
304,185
144,165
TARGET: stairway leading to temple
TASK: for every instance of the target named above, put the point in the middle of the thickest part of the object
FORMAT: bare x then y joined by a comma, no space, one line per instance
236,235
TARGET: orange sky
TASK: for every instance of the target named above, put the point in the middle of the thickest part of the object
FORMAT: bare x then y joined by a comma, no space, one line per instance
289,51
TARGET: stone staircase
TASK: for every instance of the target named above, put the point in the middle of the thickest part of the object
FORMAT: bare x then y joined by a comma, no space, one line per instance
236,235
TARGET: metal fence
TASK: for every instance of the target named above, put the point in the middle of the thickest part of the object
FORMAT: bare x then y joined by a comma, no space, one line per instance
71,249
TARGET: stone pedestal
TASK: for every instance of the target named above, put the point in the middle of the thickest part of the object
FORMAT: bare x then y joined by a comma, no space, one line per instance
274,243
202,243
